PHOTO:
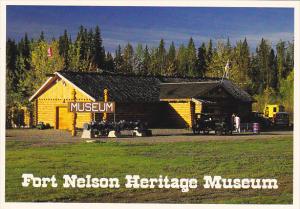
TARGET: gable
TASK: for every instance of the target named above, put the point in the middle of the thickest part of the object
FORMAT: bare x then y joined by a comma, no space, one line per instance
217,93
61,89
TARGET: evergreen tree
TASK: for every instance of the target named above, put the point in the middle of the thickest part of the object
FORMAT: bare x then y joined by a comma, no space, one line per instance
147,61
75,63
119,60
263,52
11,66
171,61
255,85
98,50
209,52
274,72
240,68
182,61
24,51
280,48
201,60
191,58
82,41
64,47
128,58
161,58
109,62
289,60
138,60
42,36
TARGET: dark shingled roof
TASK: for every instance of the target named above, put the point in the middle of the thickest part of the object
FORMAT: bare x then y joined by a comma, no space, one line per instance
132,88
185,90
198,89
122,88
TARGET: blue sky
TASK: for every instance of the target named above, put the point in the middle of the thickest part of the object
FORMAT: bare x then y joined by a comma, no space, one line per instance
147,25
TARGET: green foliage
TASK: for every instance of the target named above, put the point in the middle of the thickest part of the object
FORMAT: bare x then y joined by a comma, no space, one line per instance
128,58
171,68
182,60
202,60
42,64
286,91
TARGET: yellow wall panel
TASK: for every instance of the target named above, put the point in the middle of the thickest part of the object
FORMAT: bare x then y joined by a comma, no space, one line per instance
52,106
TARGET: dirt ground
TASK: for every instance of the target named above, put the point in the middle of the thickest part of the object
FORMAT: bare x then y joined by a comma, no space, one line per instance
50,136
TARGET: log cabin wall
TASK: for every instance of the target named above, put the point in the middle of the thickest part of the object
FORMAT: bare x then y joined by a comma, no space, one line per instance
178,114
51,107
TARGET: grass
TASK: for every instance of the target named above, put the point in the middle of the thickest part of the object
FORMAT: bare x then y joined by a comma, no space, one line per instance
272,158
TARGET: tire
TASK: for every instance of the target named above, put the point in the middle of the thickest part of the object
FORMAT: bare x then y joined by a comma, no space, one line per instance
206,132
218,132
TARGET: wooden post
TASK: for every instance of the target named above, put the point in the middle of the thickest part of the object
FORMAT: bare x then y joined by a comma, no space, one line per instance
105,95
74,115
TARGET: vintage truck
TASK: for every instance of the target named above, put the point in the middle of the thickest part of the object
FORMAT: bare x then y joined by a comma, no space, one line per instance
220,124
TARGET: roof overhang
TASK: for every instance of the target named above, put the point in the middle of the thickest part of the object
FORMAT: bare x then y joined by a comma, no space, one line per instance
49,82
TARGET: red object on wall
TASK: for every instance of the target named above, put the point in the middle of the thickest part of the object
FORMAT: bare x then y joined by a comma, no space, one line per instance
49,52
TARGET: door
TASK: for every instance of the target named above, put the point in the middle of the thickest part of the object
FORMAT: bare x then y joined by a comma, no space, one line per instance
63,118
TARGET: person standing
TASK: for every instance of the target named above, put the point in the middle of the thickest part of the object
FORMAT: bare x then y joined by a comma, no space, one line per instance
237,124
233,122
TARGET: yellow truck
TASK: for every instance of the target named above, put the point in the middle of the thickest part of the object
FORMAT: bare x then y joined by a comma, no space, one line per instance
276,114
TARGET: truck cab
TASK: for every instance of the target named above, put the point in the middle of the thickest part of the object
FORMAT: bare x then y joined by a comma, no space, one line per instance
276,114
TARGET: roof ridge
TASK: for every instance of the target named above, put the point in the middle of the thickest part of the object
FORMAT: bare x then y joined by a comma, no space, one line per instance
191,82
109,73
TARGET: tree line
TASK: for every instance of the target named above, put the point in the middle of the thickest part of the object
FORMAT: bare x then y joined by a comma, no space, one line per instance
266,73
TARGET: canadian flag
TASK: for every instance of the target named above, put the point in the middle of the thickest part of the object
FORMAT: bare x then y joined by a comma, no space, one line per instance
49,52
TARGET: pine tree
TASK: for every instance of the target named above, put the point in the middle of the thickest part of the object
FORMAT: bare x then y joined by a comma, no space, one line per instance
138,60
119,60
82,41
161,58
109,62
201,60
192,58
98,50
75,63
171,61
42,36
128,58
147,61
263,52
209,52
11,66
289,60
182,61
274,71
280,48
64,46
240,68
24,51
256,85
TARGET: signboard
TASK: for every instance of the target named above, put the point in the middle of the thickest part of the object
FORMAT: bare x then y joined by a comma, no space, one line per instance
97,107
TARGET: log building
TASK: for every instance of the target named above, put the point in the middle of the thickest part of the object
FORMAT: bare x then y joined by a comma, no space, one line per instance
159,101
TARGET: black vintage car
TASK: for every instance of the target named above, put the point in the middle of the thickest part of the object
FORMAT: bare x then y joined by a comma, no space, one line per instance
206,122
